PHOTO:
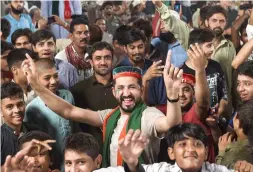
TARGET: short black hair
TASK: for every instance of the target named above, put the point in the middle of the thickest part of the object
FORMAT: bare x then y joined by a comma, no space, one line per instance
244,114
144,25
41,35
11,90
38,135
100,46
181,131
17,56
214,10
5,28
119,34
203,12
83,143
77,21
246,69
134,35
5,46
106,3
21,32
201,36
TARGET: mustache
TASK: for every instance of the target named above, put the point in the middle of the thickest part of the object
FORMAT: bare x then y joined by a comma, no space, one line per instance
85,40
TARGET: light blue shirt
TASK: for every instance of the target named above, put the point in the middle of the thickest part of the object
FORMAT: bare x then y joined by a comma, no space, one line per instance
49,122
25,21
178,54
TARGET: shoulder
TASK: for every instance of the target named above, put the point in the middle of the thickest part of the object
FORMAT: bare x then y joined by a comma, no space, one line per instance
26,16
65,94
61,55
34,102
214,167
152,112
64,65
80,85
31,127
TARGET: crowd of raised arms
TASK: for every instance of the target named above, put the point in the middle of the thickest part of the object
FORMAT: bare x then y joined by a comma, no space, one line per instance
126,86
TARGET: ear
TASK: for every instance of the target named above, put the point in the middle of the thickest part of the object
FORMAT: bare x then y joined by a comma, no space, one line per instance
98,161
206,23
125,48
206,153
34,48
171,153
91,62
14,70
71,36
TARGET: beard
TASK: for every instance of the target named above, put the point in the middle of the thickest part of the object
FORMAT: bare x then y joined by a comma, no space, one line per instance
218,31
137,58
17,11
167,37
102,72
187,107
130,109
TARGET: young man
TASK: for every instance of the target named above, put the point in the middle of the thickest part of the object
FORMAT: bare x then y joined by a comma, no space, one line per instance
81,153
12,111
21,38
131,112
43,160
215,76
230,150
98,85
101,23
14,60
6,75
37,112
16,17
77,52
43,42
245,81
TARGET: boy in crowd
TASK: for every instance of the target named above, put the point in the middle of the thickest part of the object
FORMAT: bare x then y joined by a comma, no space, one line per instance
43,160
21,38
44,43
38,113
6,75
14,60
12,111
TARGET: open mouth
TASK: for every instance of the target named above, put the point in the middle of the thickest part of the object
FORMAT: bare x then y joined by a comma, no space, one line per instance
46,54
128,101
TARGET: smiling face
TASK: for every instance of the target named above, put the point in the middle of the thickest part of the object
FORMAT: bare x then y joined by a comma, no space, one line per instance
245,87
207,48
81,162
49,79
40,162
136,51
128,93
189,154
186,95
13,110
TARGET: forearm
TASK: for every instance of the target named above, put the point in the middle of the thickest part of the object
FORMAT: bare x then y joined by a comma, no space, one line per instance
202,93
52,101
243,54
222,111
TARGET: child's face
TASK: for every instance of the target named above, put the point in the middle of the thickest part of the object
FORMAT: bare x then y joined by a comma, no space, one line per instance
81,162
49,79
40,162
189,154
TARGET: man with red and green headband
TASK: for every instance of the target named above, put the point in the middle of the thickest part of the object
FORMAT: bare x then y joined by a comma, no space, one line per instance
131,112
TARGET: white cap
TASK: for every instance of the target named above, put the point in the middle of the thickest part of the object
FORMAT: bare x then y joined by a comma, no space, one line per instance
136,2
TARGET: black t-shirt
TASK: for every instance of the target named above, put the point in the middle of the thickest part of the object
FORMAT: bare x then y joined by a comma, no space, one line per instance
216,81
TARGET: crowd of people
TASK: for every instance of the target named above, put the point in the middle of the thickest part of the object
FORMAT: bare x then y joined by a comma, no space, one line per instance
134,86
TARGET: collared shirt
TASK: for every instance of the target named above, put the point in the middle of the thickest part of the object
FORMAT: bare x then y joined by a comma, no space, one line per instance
9,139
93,95
25,21
147,64
68,75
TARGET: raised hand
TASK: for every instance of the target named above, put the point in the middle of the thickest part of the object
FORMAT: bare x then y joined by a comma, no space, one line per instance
20,162
154,71
197,57
29,70
172,78
132,146
224,141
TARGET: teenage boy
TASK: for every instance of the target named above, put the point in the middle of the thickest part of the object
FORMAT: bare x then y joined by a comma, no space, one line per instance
21,38
38,113
6,75
44,43
14,60
12,111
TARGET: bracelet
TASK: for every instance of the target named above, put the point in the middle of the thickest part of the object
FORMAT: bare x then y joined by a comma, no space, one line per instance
173,100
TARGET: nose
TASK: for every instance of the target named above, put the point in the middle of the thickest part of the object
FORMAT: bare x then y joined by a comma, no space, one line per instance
126,92
240,88
53,81
33,160
181,93
190,147
16,109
